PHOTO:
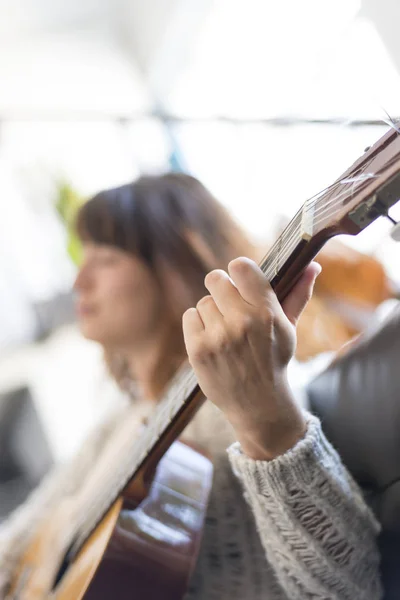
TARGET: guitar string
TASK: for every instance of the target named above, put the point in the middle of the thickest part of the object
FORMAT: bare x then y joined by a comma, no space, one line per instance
363,181
355,176
299,214
328,211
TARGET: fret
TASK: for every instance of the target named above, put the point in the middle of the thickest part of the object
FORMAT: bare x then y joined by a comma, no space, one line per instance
289,250
174,406
307,220
146,440
160,418
278,254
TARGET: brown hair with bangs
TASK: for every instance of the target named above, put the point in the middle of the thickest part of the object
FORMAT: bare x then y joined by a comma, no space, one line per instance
171,220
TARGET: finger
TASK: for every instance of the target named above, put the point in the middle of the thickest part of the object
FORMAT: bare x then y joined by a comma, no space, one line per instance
209,313
251,283
193,330
192,324
296,301
226,296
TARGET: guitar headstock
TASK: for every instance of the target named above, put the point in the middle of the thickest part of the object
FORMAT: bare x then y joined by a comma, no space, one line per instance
366,191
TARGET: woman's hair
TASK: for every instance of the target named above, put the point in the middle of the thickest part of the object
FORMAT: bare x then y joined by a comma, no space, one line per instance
170,220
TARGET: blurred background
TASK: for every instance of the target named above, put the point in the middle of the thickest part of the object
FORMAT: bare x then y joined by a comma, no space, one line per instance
265,102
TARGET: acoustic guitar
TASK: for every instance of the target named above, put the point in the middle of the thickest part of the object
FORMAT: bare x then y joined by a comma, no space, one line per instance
143,533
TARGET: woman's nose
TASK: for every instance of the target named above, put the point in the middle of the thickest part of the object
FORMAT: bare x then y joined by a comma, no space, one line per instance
82,280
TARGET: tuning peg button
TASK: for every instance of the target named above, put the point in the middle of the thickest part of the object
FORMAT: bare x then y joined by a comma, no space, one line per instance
395,232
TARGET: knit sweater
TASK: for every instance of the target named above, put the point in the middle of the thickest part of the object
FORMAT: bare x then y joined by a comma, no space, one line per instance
294,528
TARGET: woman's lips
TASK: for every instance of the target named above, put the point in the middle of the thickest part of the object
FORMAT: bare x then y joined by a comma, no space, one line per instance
85,310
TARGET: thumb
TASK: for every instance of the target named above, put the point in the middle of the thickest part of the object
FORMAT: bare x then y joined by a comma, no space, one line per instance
296,301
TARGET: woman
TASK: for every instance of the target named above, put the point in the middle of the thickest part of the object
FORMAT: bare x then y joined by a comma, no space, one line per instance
304,531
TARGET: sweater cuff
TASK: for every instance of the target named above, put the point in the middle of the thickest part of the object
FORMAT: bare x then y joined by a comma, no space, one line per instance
299,464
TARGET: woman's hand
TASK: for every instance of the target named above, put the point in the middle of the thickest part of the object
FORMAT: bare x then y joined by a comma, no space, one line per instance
240,341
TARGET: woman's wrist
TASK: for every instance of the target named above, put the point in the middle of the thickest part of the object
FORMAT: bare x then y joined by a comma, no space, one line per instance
267,437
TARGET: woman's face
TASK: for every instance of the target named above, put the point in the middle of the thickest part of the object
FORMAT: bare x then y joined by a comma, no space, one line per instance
119,300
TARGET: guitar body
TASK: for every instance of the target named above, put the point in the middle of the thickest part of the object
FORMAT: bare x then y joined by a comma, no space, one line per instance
144,550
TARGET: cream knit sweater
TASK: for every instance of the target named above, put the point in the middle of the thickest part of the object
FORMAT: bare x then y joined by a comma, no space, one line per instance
299,531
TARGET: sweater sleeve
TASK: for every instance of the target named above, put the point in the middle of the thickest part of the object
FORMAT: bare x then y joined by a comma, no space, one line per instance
317,532
62,481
